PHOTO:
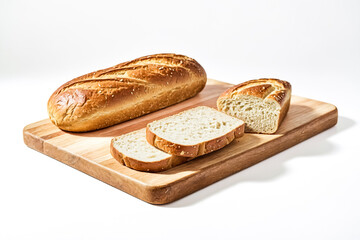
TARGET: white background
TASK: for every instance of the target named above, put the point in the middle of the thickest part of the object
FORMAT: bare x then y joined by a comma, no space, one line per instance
310,191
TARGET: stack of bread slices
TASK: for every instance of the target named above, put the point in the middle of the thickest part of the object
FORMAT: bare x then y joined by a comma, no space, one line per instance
176,139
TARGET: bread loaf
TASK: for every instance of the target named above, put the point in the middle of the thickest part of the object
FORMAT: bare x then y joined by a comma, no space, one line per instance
262,104
194,132
125,91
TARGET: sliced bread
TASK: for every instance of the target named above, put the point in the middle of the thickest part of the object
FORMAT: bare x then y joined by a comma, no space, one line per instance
194,132
262,104
135,152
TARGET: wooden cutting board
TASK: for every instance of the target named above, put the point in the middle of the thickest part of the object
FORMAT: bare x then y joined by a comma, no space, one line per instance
90,152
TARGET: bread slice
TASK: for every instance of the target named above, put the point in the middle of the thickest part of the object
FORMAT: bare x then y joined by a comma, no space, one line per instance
262,104
135,152
194,132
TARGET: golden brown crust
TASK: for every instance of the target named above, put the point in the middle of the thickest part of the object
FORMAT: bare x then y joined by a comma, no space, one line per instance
265,88
193,150
125,91
136,164
269,89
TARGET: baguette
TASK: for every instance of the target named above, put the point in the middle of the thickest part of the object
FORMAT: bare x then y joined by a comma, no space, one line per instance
125,91
262,104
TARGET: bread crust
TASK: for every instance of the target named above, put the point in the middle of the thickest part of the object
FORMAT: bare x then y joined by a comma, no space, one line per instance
196,150
125,91
280,95
269,89
136,164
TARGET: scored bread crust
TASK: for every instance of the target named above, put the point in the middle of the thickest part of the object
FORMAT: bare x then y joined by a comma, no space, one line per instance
196,149
281,95
125,91
161,165
266,88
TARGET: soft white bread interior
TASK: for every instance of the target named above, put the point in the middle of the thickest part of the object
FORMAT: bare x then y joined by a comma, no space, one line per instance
134,151
262,104
194,132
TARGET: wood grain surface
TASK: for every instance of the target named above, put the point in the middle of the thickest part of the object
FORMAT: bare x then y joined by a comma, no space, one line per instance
90,152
